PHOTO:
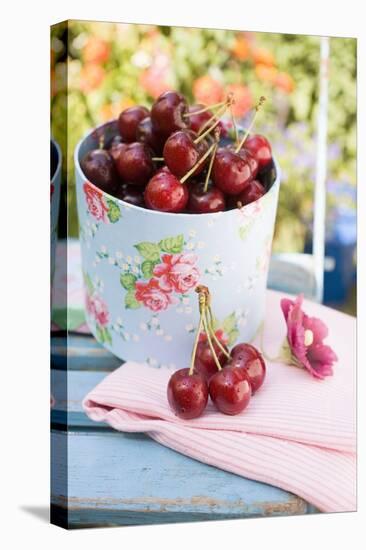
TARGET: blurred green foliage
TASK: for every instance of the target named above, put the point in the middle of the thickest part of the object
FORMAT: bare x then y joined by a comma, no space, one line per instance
98,69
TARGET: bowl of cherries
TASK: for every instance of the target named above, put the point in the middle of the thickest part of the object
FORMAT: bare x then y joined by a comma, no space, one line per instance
168,198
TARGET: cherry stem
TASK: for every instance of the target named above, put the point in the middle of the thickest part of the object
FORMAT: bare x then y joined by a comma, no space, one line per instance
207,330
198,163
101,142
216,144
204,109
210,120
158,159
257,108
234,124
196,340
210,128
229,101
207,123
224,351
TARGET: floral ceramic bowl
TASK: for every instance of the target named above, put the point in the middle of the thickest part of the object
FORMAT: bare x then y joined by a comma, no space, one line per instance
56,161
141,267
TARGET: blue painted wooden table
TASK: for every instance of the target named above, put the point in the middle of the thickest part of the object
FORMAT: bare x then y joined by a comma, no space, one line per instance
104,478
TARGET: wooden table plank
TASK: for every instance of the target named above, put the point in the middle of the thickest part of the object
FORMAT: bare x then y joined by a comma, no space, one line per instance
125,479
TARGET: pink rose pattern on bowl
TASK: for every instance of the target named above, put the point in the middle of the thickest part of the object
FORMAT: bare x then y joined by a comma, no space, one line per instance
100,208
166,274
152,296
177,272
96,205
97,311
144,266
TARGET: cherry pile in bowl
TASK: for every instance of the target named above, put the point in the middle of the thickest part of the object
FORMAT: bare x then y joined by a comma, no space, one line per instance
229,378
179,158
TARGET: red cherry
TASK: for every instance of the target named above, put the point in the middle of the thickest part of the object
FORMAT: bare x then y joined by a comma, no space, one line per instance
230,390
244,352
205,362
187,394
260,148
250,359
146,134
128,121
164,192
205,202
230,173
167,113
253,163
98,167
181,153
131,194
253,191
256,372
134,163
245,155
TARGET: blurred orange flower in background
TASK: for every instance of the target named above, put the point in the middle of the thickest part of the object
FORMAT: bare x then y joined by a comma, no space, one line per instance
96,50
243,99
262,56
284,82
110,111
265,73
207,90
91,76
241,48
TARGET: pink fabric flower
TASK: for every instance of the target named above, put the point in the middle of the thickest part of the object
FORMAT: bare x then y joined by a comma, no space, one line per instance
97,308
95,201
177,272
305,337
153,296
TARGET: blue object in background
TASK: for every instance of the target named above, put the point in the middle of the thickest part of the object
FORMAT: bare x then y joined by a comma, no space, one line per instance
340,243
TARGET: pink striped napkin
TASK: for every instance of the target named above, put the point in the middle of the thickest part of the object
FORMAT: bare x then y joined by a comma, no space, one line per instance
298,433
